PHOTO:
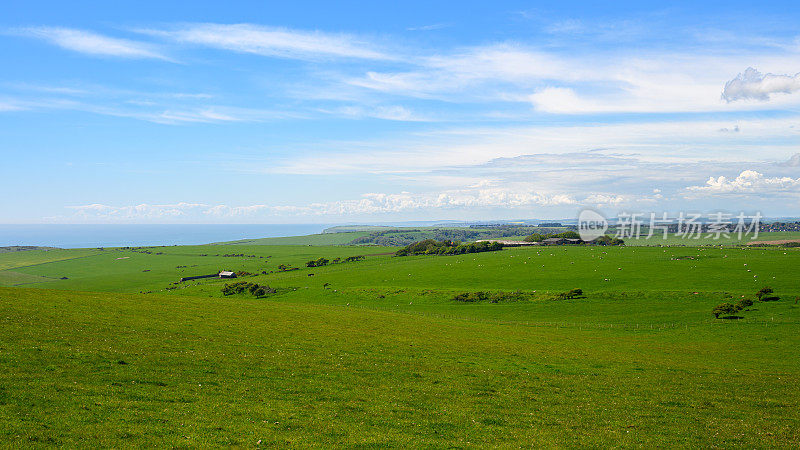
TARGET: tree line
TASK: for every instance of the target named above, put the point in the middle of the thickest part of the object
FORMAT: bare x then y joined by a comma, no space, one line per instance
433,247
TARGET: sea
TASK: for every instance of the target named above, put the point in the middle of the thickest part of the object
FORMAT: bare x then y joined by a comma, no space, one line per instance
83,236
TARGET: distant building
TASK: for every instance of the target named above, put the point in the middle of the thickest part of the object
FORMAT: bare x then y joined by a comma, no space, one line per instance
560,241
227,274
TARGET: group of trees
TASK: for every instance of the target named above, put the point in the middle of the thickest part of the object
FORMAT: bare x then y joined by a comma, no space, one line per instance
433,247
539,237
319,262
608,240
602,240
254,289
728,309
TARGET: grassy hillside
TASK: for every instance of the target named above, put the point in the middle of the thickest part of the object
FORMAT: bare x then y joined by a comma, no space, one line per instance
10,260
155,268
128,370
378,353
594,269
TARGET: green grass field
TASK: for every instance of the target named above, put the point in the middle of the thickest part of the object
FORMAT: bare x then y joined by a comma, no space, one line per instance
375,353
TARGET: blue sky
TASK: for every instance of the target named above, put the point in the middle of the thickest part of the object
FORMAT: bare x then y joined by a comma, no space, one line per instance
294,112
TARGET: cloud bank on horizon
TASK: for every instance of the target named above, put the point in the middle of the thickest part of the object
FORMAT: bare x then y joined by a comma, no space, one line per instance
507,114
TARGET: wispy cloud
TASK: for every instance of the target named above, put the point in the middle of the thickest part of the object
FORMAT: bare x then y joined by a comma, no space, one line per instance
271,41
687,140
91,43
431,27
187,115
162,107
9,106
389,112
555,82
794,161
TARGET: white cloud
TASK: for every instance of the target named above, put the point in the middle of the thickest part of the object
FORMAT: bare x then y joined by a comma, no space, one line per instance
754,85
136,212
151,111
748,182
431,27
668,141
441,75
271,41
6,106
235,211
391,112
559,83
607,200
559,100
91,43
368,204
794,161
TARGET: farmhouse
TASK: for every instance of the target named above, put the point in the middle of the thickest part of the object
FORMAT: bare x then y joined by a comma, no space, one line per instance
223,274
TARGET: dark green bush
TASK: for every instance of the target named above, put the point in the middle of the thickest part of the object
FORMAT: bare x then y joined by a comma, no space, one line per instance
492,297
764,292
319,262
724,308
744,303
244,286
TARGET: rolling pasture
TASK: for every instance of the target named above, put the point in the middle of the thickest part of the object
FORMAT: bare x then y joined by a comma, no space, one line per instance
377,353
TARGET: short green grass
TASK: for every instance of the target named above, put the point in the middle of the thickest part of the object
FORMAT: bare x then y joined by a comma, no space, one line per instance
376,353
131,270
10,260
98,369
558,268
706,239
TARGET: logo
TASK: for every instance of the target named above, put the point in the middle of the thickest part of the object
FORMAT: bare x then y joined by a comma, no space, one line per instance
591,225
